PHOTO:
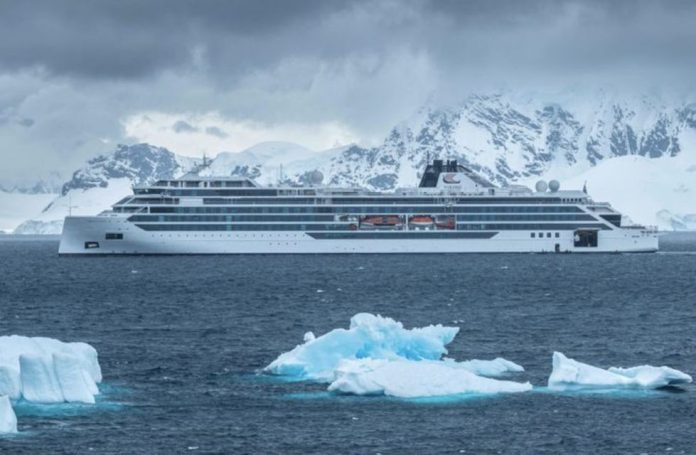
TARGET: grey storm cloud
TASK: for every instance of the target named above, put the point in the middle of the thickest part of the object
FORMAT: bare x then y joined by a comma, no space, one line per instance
134,39
78,69
182,126
217,132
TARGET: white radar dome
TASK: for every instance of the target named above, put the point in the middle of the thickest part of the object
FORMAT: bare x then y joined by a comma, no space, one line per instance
541,186
554,186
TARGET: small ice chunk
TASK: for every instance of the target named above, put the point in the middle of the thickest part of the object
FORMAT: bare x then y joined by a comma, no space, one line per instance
415,379
369,336
8,419
309,336
569,374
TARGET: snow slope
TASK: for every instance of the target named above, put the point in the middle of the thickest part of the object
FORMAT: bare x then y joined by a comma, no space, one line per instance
103,181
658,192
17,207
75,201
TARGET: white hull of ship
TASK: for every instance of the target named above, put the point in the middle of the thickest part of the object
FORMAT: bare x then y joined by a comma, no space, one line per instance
78,231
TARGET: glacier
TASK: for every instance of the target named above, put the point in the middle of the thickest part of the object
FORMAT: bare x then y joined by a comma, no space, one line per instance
46,370
8,419
377,356
569,374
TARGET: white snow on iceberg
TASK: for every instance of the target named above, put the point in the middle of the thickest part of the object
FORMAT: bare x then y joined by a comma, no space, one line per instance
415,379
490,368
569,374
8,419
45,370
369,337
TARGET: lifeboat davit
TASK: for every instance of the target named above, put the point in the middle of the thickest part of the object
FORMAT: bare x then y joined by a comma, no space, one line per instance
445,222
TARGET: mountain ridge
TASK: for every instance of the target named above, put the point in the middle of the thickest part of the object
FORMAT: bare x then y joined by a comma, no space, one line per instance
501,137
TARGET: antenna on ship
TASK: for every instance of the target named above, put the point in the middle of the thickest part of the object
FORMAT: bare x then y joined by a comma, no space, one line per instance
206,162
584,187
70,206
198,167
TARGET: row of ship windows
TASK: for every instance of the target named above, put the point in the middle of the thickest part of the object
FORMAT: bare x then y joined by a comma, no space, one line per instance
338,227
541,235
377,209
209,192
330,218
347,200
119,236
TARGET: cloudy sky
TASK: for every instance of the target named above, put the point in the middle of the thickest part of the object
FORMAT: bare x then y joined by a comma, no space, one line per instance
78,77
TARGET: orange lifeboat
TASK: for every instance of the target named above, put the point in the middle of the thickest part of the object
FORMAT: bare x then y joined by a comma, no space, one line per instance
381,222
421,221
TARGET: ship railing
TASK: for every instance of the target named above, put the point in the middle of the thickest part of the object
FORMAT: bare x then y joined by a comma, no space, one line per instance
651,229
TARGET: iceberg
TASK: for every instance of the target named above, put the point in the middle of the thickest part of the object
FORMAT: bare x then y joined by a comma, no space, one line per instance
569,374
416,379
45,370
8,419
377,356
368,337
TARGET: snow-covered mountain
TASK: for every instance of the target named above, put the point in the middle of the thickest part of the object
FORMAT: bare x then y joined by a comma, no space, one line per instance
103,181
636,152
16,207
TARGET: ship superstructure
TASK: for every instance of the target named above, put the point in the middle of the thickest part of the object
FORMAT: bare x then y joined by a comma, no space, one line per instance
453,210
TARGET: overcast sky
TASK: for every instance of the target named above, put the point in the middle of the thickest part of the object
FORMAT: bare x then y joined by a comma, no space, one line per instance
78,77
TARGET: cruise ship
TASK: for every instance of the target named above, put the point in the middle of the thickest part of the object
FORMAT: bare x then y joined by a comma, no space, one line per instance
453,210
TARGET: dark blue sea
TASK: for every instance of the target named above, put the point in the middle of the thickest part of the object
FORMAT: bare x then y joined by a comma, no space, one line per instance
181,338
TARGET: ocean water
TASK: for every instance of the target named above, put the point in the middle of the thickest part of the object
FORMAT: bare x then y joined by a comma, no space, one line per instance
180,341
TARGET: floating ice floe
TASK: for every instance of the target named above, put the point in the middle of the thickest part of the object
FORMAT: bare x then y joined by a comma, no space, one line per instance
369,337
569,374
377,355
8,419
45,370
414,379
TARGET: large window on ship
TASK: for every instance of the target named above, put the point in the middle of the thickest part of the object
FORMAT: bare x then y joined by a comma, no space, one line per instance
586,238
